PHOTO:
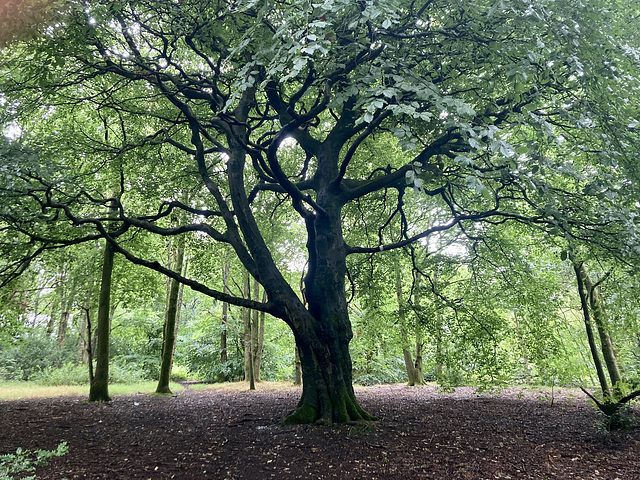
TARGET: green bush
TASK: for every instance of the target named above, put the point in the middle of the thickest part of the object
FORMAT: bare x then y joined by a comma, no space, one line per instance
179,373
68,374
31,353
124,374
378,372
201,356
27,461
147,366
71,374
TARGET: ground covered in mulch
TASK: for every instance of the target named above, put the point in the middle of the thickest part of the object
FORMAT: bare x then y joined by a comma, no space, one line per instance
235,434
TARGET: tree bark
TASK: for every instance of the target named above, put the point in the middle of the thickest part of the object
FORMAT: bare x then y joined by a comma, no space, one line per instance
579,270
324,333
85,334
417,330
257,360
404,336
170,323
255,332
246,329
225,319
598,310
99,390
65,306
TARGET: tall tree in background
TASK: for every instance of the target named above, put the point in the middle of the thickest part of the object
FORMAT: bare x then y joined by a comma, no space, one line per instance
171,320
477,108
99,389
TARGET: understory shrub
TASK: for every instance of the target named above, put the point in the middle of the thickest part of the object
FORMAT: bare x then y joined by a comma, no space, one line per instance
32,353
147,366
379,372
201,357
68,374
73,374
27,461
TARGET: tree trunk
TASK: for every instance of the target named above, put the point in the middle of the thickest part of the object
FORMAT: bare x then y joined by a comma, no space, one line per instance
579,270
257,360
246,325
225,319
404,336
415,375
324,331
84,332
82,339
170,324
179,312
417,330
600,317
255,329
99,390
65,306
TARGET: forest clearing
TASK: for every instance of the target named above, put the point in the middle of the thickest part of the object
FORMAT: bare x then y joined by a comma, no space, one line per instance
228,432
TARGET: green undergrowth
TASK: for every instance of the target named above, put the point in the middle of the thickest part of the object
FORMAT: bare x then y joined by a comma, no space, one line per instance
26,461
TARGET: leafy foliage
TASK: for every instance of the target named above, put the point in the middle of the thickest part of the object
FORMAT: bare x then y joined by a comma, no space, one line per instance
27,461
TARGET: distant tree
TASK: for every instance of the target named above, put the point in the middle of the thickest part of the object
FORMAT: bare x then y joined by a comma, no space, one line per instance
171,321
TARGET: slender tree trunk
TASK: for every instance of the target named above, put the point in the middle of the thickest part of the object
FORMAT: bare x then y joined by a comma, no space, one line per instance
51,322
225,320
257,360
417,327
89,351
170,323
415,375
246,324
257,334
600,318
439,366
84,333
404,336
178,314
579,269
65,306
82,339
99,390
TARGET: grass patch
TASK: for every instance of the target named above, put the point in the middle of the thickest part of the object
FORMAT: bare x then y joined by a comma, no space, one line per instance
243,386
22,390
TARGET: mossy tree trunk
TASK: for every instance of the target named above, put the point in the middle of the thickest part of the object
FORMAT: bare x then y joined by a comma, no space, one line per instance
324,332
246,330
170,323
594,292
593,347
225,319
99,389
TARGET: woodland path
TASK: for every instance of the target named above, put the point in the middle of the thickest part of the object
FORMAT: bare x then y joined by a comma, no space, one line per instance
235,434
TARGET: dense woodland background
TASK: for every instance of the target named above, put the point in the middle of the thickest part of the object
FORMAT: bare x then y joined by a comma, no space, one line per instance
453,184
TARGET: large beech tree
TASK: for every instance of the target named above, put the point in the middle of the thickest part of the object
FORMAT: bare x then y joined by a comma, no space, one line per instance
344,112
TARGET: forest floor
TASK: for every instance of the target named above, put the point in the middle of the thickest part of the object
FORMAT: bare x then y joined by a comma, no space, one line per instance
235,434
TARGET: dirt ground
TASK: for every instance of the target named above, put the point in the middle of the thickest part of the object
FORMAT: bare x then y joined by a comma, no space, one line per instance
235,434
